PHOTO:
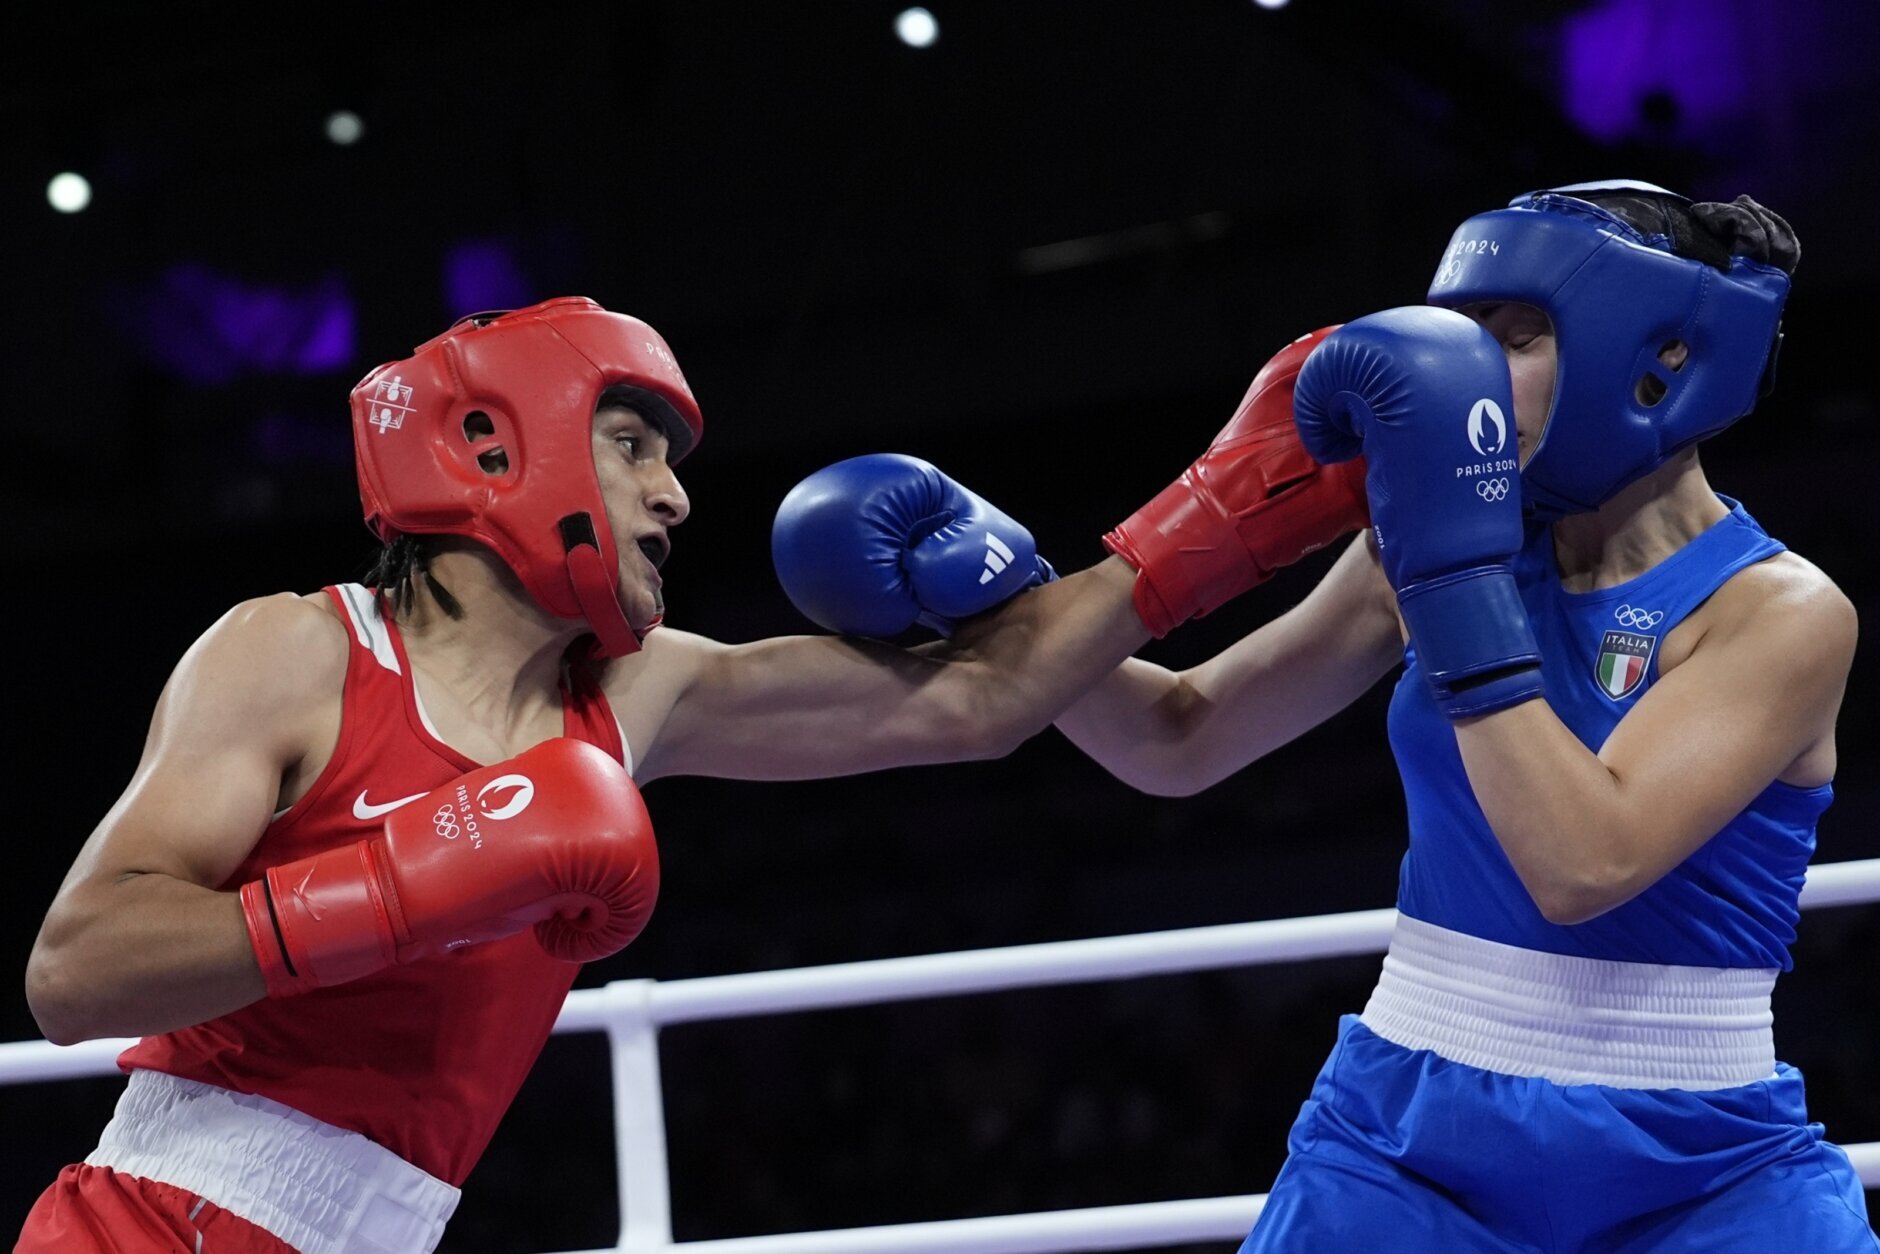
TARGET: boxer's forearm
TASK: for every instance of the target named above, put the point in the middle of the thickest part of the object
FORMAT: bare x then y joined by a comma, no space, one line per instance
1023,664
143,954
806,707
1587,832
1174,734
811,707
1139,724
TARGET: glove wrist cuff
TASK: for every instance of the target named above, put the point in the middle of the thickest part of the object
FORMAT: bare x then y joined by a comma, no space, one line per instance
278,972
331,919
1472,637
1189,558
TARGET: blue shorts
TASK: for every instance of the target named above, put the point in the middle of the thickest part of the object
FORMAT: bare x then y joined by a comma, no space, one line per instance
1402,1150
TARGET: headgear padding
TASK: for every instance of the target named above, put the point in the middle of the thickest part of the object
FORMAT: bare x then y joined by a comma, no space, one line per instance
487,432
1617,297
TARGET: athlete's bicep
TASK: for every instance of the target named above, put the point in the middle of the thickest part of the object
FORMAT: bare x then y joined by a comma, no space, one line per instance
242,707
137,940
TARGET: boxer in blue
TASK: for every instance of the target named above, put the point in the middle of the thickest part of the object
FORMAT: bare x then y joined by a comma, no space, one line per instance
1615,727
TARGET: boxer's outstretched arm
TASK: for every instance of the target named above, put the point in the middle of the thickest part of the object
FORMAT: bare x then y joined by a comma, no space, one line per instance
806,707
873,544
1175,733
138,939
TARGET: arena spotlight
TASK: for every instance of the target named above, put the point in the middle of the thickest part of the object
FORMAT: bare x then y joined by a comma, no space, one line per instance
917,28
1271,4
68,192
343,126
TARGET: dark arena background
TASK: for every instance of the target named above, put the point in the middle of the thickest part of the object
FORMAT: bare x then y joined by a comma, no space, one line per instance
1046,251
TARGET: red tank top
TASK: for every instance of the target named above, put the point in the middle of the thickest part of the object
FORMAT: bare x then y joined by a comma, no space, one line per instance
423,1059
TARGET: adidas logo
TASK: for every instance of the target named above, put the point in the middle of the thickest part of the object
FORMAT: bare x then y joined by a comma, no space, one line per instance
998,557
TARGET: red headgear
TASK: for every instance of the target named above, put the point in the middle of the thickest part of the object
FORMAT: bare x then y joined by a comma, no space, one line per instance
487,432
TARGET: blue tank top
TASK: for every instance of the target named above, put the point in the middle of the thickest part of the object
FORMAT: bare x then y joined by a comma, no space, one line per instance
1732,903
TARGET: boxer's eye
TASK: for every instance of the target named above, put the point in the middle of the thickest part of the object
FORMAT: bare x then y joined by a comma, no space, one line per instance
1525,334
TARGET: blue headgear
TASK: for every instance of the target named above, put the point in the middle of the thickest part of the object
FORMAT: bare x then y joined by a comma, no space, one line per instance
1617,296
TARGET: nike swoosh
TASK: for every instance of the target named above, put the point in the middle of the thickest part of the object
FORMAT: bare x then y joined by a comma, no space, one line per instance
363,810
300,891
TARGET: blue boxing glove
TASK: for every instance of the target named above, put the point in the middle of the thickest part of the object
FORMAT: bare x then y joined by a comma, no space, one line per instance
1424,394
872,545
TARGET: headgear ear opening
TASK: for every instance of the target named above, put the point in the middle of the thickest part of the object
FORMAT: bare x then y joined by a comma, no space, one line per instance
486,432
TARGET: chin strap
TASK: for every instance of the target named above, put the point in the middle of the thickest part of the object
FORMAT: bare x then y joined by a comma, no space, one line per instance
594,589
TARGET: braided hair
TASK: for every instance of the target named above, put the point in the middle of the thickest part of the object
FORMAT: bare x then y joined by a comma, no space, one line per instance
395,573
1711,232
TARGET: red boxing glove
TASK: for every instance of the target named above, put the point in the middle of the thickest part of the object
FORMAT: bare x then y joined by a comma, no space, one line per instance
556,837
1256,501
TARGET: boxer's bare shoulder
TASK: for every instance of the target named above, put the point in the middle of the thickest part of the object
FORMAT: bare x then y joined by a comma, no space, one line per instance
643,686
1786,603
272,668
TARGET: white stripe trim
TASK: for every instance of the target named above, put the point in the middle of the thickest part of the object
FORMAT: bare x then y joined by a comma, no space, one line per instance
369,625
417,699
1632,1025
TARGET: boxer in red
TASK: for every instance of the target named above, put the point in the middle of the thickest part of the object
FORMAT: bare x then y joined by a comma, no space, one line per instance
376,829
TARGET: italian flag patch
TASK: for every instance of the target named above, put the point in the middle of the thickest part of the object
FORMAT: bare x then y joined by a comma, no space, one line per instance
1622,659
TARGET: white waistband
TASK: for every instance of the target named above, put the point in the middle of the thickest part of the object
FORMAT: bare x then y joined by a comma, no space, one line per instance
321,1189
1632,1025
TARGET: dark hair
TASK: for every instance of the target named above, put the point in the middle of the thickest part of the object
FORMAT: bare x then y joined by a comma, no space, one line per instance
394,576
1711,232
651,406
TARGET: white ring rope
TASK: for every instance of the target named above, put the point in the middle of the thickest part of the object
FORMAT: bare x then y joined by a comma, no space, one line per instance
631,1012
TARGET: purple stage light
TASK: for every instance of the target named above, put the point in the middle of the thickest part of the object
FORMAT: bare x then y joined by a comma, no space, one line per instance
210,328
1618,56
281,439
483,274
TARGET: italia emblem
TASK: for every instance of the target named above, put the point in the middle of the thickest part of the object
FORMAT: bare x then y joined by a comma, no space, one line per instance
1622,658
1623,655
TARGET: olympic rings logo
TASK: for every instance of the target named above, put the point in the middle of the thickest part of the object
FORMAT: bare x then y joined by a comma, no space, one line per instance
1638,620
1491,489
445,821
